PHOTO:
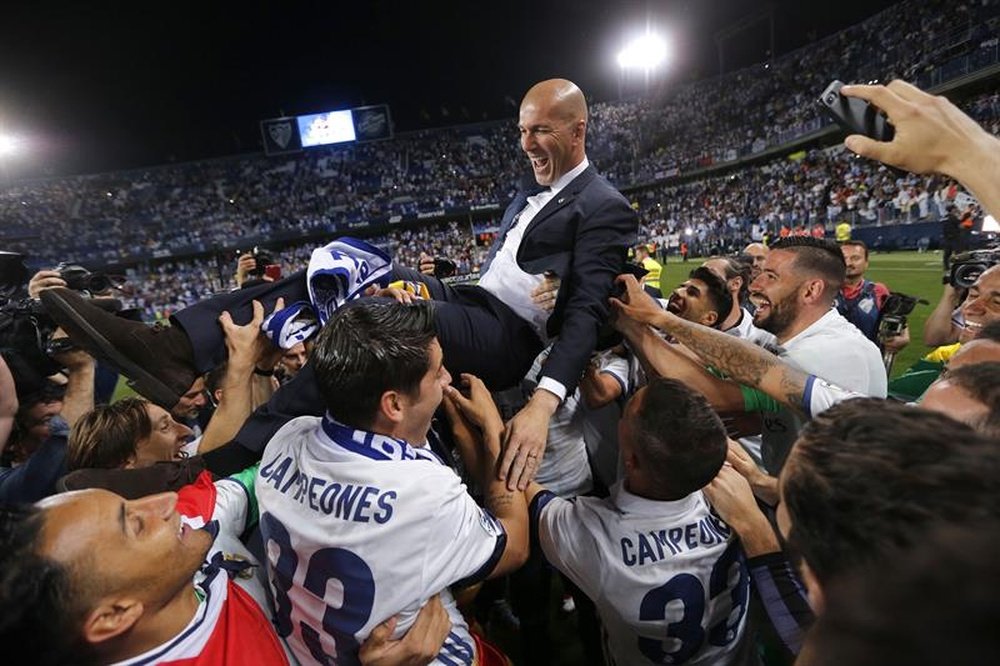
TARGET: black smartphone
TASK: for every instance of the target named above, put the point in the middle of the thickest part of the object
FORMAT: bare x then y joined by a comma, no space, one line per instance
854,115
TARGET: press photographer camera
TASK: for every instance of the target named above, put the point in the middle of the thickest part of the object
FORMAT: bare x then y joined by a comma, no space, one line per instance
80,279
892,322
966,267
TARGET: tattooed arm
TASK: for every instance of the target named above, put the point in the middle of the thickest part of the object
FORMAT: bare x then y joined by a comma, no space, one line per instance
659,357
743,361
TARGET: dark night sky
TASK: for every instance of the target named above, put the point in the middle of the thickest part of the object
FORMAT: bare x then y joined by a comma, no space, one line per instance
96,86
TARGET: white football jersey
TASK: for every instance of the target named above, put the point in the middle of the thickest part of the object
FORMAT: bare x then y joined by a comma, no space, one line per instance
834,350
668,578
359,527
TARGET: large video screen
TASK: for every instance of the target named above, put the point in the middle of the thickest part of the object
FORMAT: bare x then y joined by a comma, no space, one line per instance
320,129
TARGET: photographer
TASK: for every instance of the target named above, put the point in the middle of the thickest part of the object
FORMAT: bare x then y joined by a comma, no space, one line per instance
861,301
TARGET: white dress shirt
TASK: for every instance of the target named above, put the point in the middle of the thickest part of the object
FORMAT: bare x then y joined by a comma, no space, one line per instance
509,283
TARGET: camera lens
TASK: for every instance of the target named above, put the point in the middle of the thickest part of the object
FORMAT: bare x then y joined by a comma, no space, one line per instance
966,276
831,98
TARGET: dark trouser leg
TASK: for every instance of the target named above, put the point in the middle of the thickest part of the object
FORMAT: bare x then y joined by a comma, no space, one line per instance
200,321
529,596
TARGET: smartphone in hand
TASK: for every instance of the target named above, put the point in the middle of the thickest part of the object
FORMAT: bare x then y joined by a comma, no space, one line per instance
854,115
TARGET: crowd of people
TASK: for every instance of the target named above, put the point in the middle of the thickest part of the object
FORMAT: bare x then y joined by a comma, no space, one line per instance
362,463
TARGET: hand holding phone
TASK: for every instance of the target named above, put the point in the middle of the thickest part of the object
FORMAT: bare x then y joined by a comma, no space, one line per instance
855,115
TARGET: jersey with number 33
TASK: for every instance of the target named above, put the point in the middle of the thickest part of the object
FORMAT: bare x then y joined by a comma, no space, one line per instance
668,578
355,535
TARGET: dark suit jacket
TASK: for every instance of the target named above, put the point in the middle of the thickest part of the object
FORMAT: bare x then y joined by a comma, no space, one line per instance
582,235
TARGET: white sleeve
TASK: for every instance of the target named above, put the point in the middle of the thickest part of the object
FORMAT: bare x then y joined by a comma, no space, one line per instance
820,395
464,540
616,366
232,506
565,541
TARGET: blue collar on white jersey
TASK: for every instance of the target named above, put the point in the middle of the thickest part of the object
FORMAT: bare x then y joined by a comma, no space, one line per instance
368,444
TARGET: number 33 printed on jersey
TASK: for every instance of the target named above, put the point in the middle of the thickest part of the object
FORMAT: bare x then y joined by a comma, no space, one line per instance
337,564
686,636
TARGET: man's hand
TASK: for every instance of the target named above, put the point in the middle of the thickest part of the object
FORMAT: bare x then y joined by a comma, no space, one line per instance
426,264
635,303
730,495
764,486
44,280
419,646
478,409
545,294
932,134
896,343
247,343
524,440
75,359
399,295
244,265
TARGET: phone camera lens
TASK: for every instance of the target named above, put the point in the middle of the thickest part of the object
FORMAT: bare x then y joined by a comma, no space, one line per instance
831,98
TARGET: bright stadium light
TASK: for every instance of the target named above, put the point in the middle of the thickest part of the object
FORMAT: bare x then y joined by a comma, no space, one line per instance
646,52
8,145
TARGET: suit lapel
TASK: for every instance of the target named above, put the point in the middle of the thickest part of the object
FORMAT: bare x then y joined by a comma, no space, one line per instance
565,196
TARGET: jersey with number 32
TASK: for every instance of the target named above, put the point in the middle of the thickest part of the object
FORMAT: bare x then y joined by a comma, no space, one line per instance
668,578
354,537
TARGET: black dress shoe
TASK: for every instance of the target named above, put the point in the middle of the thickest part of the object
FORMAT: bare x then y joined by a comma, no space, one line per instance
157,360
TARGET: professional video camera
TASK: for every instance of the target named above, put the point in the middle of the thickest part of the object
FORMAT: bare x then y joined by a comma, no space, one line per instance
966,267
892,322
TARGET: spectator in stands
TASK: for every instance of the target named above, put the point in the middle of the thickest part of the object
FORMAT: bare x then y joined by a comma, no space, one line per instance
860,301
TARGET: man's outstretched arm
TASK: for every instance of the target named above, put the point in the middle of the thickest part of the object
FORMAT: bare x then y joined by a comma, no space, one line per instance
743,361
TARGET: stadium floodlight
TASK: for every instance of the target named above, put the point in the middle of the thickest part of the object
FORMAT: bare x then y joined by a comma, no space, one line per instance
8,145
646,52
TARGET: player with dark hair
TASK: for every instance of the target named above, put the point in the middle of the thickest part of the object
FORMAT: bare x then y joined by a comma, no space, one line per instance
880,616
860,300
703,298
867,476
357,497
665,573
794,295
89,577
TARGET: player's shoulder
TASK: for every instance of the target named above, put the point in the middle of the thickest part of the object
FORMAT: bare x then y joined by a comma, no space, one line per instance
292,431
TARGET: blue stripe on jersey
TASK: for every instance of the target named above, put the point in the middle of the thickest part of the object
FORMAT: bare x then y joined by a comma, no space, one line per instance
458,648
807,395
538,503
484,571
374,446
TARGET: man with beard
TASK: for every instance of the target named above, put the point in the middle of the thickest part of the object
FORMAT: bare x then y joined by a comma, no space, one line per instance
794,295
